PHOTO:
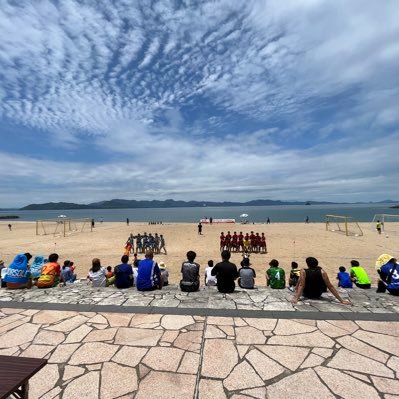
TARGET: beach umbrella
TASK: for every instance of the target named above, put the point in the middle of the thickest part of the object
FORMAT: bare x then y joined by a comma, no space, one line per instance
244,215
62,216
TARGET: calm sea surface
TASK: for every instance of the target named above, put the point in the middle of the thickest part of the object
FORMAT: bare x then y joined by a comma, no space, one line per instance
258,214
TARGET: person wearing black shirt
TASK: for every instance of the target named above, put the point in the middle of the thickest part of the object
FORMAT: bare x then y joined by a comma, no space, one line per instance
225,272
313,281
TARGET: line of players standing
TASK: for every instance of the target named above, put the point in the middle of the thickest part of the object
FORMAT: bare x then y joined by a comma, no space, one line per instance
252,242
145,242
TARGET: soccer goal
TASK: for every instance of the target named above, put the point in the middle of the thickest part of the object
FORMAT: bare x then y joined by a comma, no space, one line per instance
62,227
389,223
343,224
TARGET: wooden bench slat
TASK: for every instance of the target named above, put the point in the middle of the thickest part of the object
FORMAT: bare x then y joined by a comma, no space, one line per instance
16,371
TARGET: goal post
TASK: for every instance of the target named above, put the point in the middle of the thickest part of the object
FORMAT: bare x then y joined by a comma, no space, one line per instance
62,226
389,223
343,224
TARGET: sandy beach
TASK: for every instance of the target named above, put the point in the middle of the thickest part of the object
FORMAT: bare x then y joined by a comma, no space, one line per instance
286,242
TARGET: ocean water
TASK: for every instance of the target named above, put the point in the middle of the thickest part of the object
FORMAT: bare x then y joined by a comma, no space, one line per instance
256,214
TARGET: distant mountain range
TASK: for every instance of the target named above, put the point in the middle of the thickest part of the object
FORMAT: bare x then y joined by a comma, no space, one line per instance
170,203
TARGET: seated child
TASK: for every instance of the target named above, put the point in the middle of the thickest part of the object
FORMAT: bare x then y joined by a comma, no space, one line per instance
109,272
71,266
97,274
294,276
359,275
109,276
164,273
247,275
67,276
210,281
50,275
344,279
37,266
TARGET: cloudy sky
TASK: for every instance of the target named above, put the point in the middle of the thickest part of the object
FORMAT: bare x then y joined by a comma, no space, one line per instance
198,100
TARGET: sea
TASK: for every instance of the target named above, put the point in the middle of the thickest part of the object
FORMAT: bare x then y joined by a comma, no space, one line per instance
256,214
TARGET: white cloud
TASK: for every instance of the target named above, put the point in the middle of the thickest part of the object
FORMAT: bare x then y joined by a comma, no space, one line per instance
121,75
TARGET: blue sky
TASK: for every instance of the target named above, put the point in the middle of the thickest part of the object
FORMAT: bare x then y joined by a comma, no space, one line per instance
198,100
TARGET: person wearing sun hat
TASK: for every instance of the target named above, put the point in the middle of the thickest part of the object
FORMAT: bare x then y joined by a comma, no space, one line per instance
388,269
164,273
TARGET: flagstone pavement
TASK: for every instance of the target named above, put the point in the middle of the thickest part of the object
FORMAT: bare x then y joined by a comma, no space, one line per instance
110,351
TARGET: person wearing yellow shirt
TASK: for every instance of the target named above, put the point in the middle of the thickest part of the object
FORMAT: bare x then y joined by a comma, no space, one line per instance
359,275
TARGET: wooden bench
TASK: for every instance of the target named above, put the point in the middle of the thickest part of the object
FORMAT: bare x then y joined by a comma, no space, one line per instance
15,373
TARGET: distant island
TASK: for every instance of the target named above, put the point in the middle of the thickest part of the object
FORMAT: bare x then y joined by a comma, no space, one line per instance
169,203
394,206
9,217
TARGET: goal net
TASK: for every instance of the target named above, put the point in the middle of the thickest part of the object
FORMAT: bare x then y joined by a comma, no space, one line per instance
62,227
343,224
389,223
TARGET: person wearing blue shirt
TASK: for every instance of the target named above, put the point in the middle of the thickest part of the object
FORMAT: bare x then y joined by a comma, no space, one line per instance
389,277
18,274
149,274
123,274
344,279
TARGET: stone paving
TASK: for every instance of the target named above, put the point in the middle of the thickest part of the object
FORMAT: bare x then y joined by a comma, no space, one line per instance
124,355
250,301
110,343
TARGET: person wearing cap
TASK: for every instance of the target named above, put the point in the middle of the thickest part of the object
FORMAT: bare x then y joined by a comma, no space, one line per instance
389,277
18,274
164,274
275,275
246,274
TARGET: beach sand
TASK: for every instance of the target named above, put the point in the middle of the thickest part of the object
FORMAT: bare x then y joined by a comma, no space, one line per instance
286,242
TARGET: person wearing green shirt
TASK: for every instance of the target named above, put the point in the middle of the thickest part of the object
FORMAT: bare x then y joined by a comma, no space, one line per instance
359,275
275,275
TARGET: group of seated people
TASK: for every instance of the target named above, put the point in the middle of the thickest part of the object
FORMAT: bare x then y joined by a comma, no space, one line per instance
247,243
144,274
147,275
43,273
146,242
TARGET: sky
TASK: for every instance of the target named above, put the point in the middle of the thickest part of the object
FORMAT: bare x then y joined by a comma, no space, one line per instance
198,100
